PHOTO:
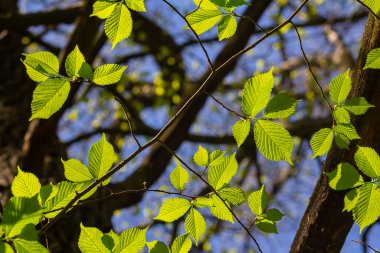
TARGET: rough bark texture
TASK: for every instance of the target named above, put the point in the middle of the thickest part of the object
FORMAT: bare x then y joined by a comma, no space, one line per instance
324,227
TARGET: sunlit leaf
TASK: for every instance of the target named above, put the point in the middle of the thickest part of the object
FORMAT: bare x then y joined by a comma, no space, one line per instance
173,209
321,142
340,86
25,185
344,177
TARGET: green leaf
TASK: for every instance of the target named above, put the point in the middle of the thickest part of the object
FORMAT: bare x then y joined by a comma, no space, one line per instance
157,247
229,3
47,192
136,5
273,141
342,141
367,208
321,142
373,57
74,62
48,97
111,240
368,161
357,106
5,247
235,196
25,185
221,174
179,177
347,130
90,240
256,93
30,233
100,157
203,20
373,5
340,86
108,74
227,27
19,212
266,226
173,209
118,26
132,240
103,9
76,171
41,65
195,224
341,115
273,215
344,177
182,244
280,106
216,157
86,71
219,209
240,131
24,246
206,4
257,201
202,202
350,200
201,156
66,192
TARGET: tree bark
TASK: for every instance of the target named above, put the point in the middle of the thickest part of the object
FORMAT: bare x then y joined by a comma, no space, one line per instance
324,227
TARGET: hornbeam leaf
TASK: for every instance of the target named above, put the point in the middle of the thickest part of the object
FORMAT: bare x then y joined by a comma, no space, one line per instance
273,141
74,62
373,57
280,106
367,208
41,66
76,171
48,97
25,185
219,209
103,9
221,174
201,156
348,130
90,240
173,209
357,106
203,20
256,93
25,246
257,201
132,240
240,131
233,195
182,244
157,247
227,27
344,177
108,74
195,224
266,226
136,5
340,86
179,177
341,115
118,25
368,161
100,157
321,142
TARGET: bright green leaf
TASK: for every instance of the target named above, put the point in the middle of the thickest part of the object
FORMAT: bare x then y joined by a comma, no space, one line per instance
340,86
342,141
202,202
173,209
256,93
368,161
118,26
321,142
280,106
219,209
5,247
216,157
195,224
203,20
373,57
357,106
108,74
266,226
25,185
182,244
24,246
273,141
76,171
132,240
273,215
48,97
90,240
240,131
257,201
136,5
235,196
350,200
100,157
227,27
41,65
341,115
347,130
157,247
201,156
367,208
221,174
179,177
74,62
103,9
344,177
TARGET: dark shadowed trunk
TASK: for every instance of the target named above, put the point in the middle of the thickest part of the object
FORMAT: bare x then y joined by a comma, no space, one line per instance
324,227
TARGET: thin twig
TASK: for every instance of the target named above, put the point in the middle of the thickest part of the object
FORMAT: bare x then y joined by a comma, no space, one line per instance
119,99
224,106
310,69
368,8
195,34
212,188
250,19
365,244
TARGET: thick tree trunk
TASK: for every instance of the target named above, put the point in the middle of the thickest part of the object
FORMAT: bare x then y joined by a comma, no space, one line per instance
324,227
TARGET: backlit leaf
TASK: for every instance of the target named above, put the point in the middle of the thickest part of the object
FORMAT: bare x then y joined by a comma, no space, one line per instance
25,185
340,86
240,131
173,209
344,177
321,142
